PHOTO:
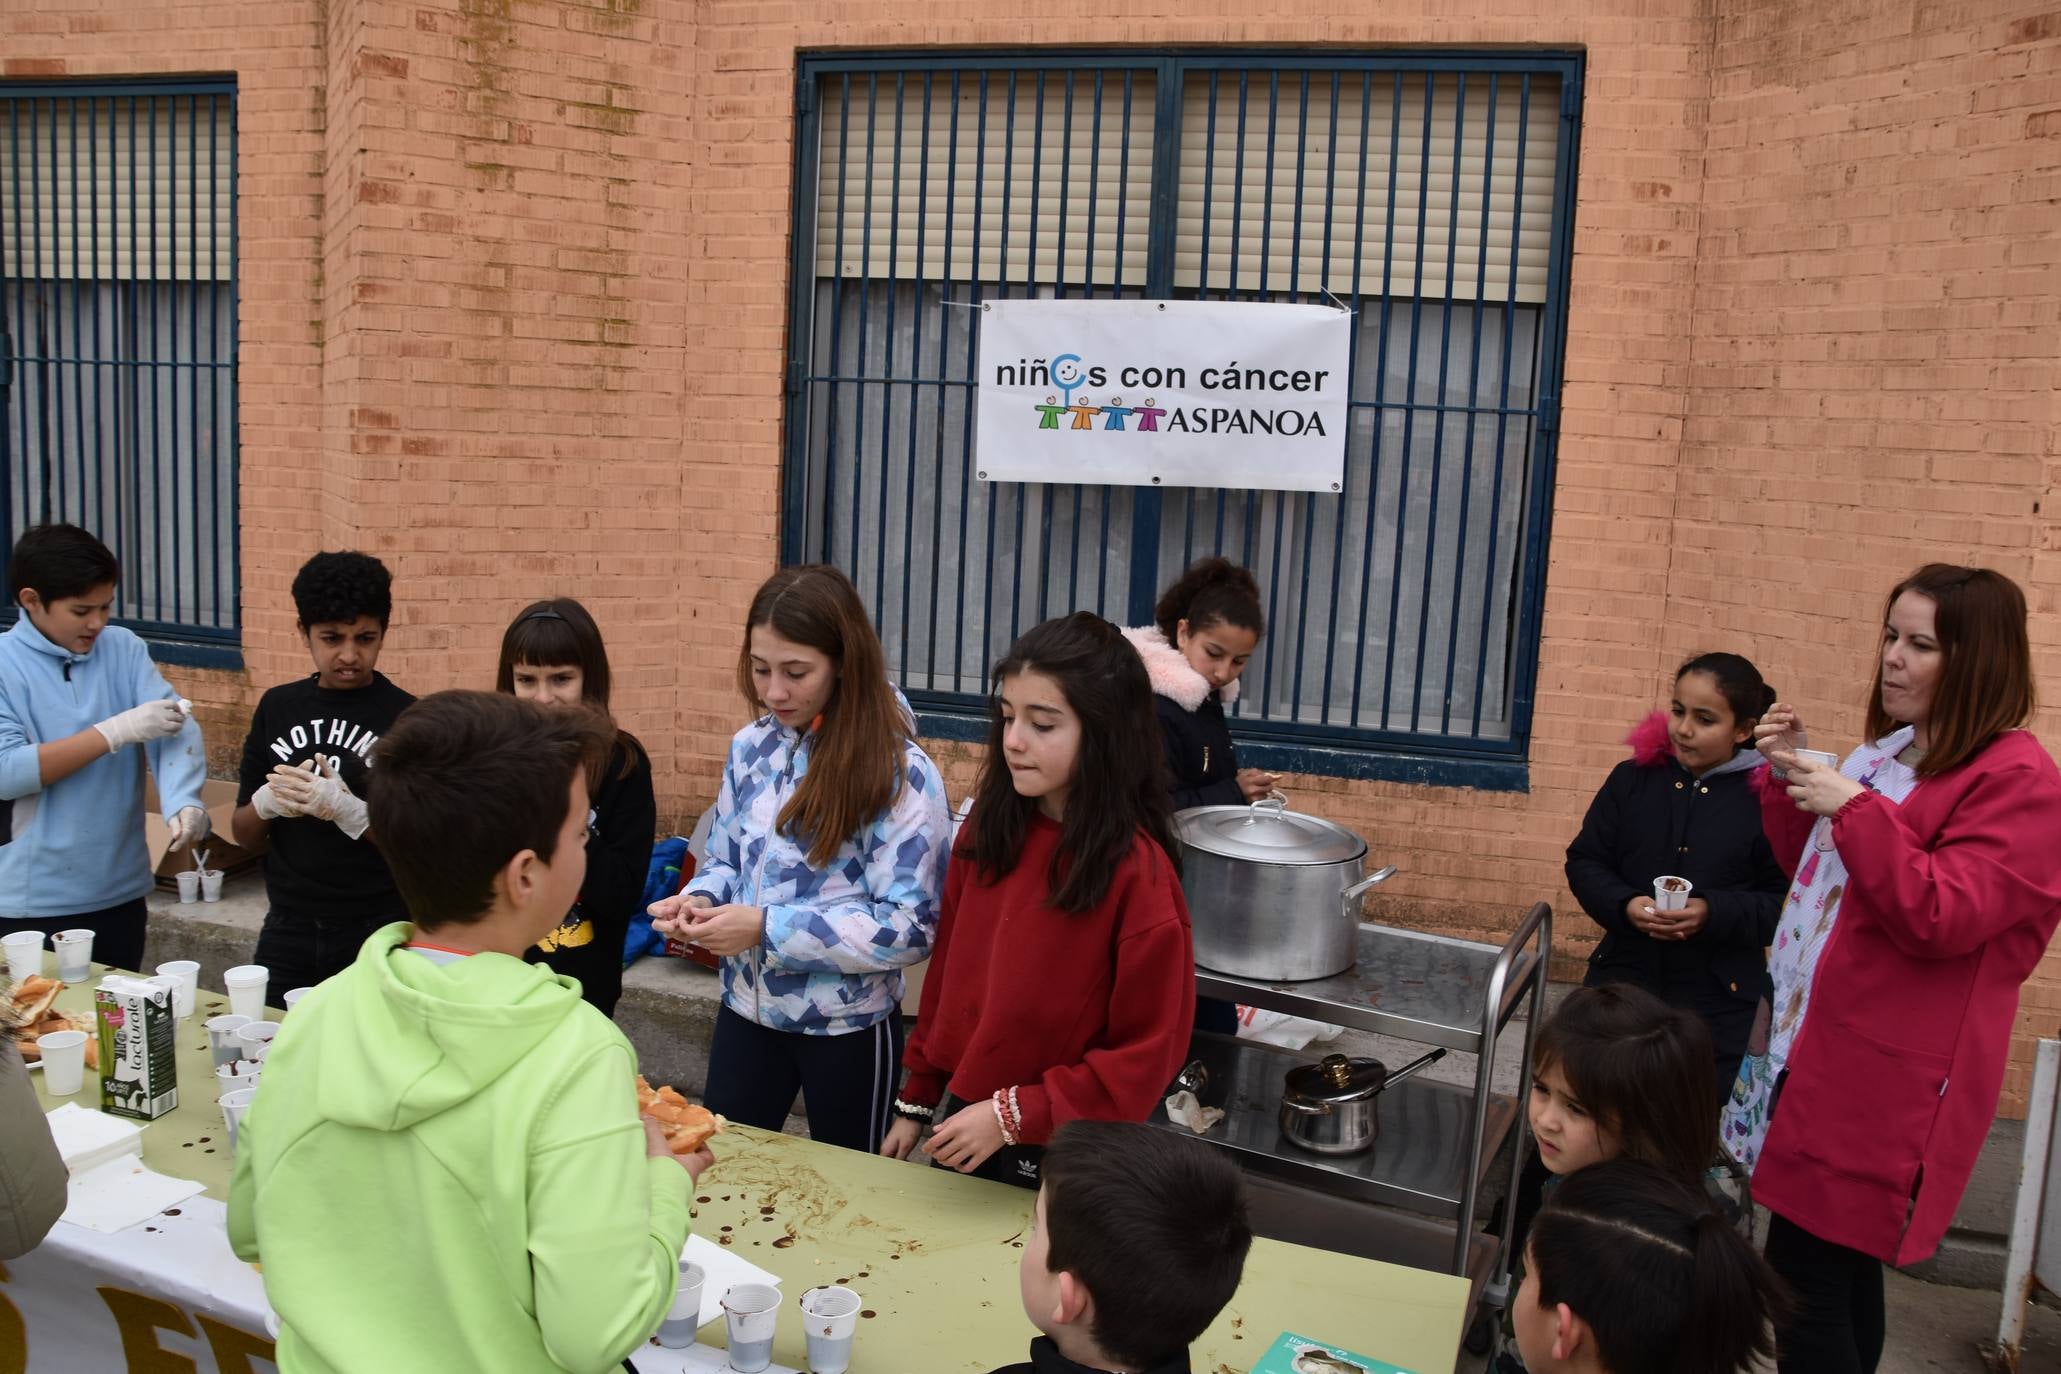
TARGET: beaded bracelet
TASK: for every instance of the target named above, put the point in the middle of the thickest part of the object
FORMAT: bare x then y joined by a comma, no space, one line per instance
913,1112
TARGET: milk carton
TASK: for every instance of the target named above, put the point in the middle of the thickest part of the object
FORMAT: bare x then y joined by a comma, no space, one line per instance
1293,1354
139,1073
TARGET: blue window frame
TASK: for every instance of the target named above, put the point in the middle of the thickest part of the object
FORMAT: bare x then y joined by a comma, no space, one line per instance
1431,193
118,341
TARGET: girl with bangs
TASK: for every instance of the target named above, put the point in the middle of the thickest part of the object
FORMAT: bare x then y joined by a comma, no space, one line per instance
1063,986
552,654
1927,886
824,869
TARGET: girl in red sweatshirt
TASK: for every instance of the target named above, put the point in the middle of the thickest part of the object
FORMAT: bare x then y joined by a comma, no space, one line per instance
1062,982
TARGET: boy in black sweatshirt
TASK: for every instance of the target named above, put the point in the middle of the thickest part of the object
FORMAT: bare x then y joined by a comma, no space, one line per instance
302,783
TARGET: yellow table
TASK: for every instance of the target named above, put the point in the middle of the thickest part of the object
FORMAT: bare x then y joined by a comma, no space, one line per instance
933,1254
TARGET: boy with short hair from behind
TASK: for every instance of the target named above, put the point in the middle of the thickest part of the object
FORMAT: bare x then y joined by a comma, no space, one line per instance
301,786
1139,1242
445,1168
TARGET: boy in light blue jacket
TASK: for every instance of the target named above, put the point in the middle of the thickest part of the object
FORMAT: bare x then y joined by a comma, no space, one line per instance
75,694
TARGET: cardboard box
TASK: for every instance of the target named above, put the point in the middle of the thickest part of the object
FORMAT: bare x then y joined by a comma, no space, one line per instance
224,853
139,1065
1293,1354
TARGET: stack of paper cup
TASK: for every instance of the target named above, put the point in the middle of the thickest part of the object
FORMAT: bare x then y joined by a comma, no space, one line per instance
830,1317
64,1061
74,955
246,985
24,953
185,977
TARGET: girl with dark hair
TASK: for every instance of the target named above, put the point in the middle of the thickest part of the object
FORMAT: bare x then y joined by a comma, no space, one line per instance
1685,805
824,866
1205,628
1063,984
552,654
1928,885
1629,1272
1619,1074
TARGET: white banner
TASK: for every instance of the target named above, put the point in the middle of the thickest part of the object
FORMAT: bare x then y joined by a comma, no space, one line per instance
1163,393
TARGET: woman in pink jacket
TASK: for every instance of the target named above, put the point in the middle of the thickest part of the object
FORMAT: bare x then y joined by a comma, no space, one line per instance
1927,885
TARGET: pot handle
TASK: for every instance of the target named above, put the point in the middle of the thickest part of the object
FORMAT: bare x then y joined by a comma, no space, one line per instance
1296,1104
1358,889
1413,1066
1274,803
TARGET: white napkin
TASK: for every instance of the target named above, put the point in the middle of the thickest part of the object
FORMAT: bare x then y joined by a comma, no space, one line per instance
87,1138
722,1268
1183,1107
122,1193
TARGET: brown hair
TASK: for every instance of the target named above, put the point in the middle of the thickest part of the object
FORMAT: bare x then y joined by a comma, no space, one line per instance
1985,672
559,633
465,781
855,768
1153,1225
1213,591
1642,1069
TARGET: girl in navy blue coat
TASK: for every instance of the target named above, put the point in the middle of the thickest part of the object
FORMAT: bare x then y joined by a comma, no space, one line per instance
1685,805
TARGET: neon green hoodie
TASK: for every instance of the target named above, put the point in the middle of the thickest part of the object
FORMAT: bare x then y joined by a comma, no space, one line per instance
444,1169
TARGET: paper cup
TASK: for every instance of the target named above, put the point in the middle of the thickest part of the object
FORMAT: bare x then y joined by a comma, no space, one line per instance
246,985
237,1074
24,953
222,1042
234,1105
211,885
189,885
293,997
683,1318
1671,893
751,1311
74,955
185,976
1818,757
256,1038
830,1317
64,1061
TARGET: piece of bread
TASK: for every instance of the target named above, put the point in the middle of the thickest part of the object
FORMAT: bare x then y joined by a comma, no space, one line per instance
33,996
687,1125
51,1023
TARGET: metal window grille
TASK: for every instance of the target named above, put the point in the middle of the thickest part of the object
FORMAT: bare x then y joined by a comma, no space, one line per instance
1430,195
118,337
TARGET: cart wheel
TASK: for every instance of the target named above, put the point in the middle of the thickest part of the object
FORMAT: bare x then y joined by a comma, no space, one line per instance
1481,1332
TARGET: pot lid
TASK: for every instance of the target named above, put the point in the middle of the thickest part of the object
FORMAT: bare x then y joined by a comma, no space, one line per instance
1336,1078
1268,832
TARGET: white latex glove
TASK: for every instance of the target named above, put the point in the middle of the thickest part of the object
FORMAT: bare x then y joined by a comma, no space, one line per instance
271,806
139,724
189,825
333,801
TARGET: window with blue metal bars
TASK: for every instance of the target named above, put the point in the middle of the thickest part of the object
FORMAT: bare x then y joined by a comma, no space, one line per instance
118,340
1431,195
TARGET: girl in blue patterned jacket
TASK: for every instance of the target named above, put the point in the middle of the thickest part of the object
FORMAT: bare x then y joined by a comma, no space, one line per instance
825,867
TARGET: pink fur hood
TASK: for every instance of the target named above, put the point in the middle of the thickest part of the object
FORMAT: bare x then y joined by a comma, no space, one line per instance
1652,745
1168,667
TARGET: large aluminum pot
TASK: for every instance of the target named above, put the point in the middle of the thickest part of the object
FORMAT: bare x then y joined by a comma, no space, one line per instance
1274,895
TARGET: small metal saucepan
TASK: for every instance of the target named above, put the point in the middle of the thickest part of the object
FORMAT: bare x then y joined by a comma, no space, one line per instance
1330,1106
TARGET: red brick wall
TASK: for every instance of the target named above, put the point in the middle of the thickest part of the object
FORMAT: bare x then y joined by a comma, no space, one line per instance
514,307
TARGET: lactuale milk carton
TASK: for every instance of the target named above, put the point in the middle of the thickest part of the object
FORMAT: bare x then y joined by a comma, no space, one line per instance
139,1073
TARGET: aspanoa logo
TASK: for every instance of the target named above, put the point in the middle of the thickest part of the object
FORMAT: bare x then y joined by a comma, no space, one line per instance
1073,404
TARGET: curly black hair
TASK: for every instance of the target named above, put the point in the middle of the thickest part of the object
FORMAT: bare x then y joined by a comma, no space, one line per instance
1213,591
334,587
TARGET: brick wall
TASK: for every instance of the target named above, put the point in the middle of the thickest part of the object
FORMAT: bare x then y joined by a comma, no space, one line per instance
514,294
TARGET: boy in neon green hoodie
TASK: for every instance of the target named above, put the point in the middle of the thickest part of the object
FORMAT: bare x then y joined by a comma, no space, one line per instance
445,1168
